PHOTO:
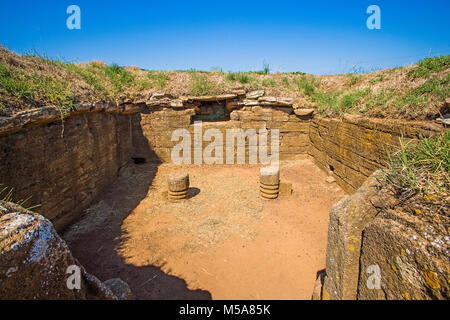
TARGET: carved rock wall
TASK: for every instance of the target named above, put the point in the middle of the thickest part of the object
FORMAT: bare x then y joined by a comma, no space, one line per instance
63,166
352,148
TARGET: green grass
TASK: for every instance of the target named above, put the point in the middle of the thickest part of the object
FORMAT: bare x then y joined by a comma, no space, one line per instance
15,83
421,166
337,102
56,92
377,79
433,89
200,85
161,79
308,86
265,69
119,77
327,101
427,66
268,83
330,103
285,82
193,70
379,100
350,100
158,78
353,79
36,87
92,75
6,195
143,84
108,81
242,77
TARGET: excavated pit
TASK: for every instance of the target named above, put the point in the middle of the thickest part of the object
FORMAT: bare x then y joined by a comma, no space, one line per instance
99,177
225,242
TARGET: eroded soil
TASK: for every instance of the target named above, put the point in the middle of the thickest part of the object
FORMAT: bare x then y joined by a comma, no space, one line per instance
224,242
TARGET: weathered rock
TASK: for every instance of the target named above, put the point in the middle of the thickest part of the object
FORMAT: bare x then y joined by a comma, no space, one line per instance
445,120
178,186
83,153
304,112
269,179
383,247
270,176
234,116
176,103
178,182
249,102
231,105
348,218
120,288
239,92
131,108
409,247
158,95
303,103
34,260
330,179
275,101
30,117
255,94
213,98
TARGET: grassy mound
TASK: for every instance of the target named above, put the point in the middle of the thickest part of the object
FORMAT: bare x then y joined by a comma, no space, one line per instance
413,92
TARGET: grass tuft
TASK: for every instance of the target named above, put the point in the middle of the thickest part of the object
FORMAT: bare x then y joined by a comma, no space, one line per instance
422,166
308,86
353,79
6,195
377,79
158,78
427,66
200,85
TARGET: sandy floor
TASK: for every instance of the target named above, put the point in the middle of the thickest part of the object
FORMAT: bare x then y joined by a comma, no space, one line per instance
225,242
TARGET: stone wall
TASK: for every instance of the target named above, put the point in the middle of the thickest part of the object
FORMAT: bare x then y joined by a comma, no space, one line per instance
152,130
63,166
352,148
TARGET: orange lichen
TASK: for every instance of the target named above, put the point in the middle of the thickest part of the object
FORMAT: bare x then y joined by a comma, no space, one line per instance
431,279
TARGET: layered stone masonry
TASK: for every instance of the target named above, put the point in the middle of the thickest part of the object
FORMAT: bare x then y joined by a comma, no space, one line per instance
63,166
63,161
352,148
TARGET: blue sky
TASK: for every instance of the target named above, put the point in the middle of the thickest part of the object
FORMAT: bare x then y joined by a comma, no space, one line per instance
319,37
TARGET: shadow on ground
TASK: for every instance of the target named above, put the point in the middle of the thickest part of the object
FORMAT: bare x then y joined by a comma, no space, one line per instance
96,249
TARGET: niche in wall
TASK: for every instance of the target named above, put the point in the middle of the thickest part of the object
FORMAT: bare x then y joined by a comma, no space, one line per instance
211,111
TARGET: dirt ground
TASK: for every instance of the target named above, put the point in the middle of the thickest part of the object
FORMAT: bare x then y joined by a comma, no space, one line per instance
224,242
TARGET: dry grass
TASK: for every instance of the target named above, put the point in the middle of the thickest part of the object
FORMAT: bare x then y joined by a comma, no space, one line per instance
421,166
93,218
